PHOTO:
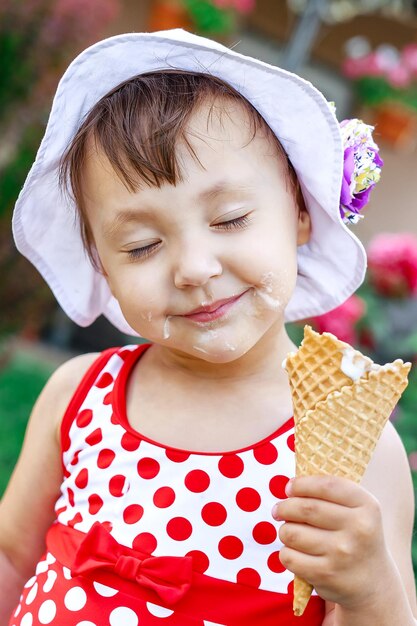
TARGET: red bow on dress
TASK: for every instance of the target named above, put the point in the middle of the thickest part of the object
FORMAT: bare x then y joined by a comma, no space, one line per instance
168,576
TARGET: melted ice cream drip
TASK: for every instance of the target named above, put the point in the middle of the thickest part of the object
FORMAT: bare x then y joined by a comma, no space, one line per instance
166,332
147,316
205,338
265,290
208,337
355,364
272,303
200,349
267,282
390,367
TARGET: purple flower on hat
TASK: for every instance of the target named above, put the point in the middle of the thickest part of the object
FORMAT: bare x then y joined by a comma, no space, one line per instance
361,170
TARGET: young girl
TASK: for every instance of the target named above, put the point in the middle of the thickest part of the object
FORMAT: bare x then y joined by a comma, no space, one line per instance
205,209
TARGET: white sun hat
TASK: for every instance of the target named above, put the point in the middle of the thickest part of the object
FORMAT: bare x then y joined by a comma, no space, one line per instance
331,265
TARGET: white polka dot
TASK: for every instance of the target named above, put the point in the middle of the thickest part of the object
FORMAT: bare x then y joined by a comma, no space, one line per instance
50,581
42,567
67,573
75,599
27,620
50,558
32,594
30,582
158,611
47,612
19,608
85,624
105,591
122,616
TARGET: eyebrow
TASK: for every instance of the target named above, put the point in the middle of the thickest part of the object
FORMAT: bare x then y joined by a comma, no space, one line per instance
223,187
128,216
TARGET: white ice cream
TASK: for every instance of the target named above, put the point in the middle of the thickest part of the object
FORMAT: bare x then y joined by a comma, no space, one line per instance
166,332
354,364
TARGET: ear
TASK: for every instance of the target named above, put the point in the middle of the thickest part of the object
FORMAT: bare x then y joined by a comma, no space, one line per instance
304,227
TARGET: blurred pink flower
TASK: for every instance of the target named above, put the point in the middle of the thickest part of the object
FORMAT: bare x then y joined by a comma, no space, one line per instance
399,70
245,6
241,6
409,57
399,76
392,260
368,65
341,321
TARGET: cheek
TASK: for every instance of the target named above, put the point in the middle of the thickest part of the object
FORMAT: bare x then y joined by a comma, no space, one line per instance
271,259
274,273
139,294
274,289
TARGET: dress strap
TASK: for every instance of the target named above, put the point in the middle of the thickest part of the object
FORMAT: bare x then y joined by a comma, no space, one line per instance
81,392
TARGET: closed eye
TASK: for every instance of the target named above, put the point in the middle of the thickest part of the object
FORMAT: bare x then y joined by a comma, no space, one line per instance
236,222
146,251
142,253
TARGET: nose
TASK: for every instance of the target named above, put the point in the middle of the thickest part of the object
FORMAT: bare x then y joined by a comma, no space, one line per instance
195,264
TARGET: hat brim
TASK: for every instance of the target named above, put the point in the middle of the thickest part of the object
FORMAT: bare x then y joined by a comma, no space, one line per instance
331,266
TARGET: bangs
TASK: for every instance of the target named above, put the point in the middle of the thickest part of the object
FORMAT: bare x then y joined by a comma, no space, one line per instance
138,126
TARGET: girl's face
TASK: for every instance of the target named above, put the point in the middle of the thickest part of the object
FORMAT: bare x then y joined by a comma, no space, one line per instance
223,240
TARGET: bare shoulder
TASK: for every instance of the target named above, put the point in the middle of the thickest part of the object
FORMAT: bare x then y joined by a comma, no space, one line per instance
62,385
37,477
70,371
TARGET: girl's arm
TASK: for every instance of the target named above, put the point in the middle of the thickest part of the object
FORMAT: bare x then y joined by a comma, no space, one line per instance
354,542
11,583
388,478
27,507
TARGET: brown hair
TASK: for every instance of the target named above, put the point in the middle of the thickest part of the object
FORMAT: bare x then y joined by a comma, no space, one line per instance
138,125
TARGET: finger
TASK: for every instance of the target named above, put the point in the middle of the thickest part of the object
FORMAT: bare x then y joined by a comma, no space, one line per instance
331,488
301,564
304,538
312,511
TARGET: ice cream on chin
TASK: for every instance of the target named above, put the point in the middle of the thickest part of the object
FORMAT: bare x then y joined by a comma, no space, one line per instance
342,401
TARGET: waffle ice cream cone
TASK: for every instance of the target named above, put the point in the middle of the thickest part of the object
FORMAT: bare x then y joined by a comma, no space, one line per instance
342,401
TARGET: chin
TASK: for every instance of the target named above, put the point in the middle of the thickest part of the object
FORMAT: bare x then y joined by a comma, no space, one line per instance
217,356
226,353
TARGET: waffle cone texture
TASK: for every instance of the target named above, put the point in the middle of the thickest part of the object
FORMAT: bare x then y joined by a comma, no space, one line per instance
342,401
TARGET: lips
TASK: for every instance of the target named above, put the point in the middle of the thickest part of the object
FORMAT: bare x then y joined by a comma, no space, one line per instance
212,307
213,311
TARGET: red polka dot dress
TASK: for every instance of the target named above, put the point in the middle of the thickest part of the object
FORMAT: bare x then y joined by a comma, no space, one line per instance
150,535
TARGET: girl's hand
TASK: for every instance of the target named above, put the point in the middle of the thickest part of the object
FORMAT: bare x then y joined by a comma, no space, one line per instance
333,537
